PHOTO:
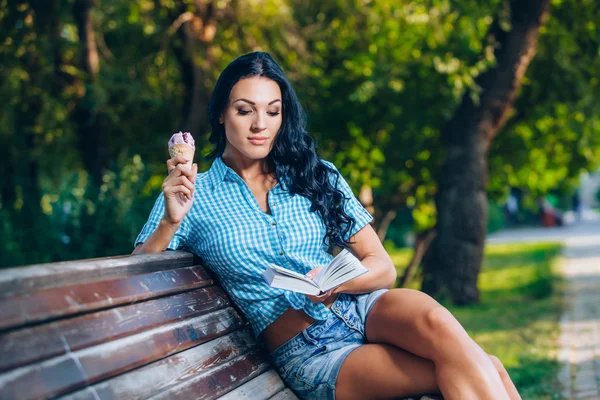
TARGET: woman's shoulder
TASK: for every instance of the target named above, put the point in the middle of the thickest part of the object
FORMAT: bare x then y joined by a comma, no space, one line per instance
329,164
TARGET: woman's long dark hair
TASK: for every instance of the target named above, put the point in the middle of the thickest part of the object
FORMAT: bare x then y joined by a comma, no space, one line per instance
294,157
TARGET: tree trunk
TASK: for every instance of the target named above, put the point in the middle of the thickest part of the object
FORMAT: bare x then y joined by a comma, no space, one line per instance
195,59
88,115
23,163
385,223
87,38
423,242
453,263
387,211
366,198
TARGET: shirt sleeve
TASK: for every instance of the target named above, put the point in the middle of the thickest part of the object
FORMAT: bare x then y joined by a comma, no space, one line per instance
179,238
352,205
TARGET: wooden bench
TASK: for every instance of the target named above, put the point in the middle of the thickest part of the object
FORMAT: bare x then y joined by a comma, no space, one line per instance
130,327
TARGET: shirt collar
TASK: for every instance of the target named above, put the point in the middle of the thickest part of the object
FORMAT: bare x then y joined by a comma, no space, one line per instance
218,171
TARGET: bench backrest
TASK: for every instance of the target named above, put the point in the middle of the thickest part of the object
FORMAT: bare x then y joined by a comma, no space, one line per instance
135,327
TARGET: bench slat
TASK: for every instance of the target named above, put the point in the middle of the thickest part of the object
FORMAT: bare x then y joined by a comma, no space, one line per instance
286,394
220,380
76,369
42,342
161,375
128,327
31,278
58,302
260,388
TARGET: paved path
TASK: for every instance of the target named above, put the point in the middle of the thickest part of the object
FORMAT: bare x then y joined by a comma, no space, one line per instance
588,229
580,324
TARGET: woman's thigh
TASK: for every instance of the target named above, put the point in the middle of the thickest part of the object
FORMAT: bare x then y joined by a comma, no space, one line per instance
375,371
411,320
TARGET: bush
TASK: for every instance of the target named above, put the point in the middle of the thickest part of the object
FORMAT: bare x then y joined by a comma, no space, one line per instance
496,220
79,220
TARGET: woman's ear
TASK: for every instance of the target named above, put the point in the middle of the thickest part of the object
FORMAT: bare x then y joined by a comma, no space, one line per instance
221,119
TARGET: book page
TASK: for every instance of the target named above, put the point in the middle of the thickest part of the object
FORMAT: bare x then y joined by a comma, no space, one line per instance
294,274
343,267
339,262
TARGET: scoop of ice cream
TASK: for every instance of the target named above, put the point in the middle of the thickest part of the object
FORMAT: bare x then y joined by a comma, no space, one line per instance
182,138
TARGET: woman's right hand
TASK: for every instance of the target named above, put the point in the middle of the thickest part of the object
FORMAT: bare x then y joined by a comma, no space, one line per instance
312,274
178,188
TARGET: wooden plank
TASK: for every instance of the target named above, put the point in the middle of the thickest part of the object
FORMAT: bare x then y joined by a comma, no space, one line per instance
27,279
217,381
74,370
42,342
161,375
76,299
260,388
286,394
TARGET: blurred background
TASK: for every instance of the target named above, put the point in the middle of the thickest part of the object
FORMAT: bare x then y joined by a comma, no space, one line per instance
92,90
450,119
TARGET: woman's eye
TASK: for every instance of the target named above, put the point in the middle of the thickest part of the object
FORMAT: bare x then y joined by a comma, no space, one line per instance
273,114
243,112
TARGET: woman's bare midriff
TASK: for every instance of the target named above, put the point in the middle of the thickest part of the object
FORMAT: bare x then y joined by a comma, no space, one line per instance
288,325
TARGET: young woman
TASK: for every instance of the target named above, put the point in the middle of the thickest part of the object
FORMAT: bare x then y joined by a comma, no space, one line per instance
269,198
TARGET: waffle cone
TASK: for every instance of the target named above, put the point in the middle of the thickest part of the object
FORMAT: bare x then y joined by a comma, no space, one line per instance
185,151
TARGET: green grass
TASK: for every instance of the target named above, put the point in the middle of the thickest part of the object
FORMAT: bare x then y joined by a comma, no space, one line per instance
518,317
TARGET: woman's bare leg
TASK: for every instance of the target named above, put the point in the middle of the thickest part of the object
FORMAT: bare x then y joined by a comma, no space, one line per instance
413,321
379,371
508,383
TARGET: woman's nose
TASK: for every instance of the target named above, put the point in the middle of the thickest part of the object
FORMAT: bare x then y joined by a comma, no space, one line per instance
259,124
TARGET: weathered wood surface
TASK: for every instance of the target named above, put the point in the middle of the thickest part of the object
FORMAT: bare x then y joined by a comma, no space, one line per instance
133,327
42,342
74,370
218,381
68,300
20,280
262,387
286,394
166,373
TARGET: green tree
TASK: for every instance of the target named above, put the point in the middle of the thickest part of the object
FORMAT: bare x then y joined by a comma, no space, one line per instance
83,146
454,259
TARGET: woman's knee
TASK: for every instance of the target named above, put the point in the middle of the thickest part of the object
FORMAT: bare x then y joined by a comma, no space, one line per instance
499,367
440,321
444,332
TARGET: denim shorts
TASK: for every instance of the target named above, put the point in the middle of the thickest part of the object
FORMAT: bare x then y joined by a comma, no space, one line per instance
309,362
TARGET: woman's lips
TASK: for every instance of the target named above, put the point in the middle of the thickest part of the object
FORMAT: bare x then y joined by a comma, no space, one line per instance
258,140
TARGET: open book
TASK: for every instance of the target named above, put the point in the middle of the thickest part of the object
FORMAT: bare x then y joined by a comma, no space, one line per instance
342,268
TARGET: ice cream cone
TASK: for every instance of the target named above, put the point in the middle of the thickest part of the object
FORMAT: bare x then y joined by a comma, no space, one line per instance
185,151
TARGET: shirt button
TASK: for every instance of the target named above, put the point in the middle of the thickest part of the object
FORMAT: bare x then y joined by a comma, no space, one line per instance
273,223
281,252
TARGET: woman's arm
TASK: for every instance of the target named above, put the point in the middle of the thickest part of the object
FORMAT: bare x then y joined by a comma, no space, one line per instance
370,252
171,206
159,240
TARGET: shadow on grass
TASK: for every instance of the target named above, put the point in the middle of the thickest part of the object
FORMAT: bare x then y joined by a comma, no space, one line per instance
534,378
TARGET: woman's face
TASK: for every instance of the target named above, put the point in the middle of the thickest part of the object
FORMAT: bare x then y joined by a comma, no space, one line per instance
252,117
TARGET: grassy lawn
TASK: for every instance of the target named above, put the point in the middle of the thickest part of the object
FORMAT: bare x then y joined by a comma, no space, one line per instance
518,318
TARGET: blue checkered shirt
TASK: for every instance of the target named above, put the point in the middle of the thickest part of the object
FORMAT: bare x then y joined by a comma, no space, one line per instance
236,239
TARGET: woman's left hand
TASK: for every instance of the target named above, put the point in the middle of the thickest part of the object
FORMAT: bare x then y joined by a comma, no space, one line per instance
322,298
318,299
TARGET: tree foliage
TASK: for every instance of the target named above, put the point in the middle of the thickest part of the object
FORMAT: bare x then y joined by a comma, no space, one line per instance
379,79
